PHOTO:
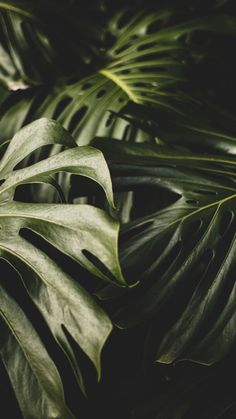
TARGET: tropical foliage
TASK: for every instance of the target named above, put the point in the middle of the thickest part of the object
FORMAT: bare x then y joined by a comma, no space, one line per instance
117,209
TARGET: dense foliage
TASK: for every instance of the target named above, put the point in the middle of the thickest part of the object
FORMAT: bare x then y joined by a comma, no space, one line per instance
117,209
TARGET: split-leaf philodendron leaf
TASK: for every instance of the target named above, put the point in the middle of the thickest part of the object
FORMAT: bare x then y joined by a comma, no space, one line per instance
138,72
84,233
184,251
146,64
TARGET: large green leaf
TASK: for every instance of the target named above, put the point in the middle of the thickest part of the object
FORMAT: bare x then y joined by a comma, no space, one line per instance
182,252
84,233
141,67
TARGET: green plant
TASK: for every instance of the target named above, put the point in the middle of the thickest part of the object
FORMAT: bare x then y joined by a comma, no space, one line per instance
79,231
155,263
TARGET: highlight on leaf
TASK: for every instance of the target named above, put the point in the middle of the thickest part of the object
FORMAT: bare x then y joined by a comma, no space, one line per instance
74,230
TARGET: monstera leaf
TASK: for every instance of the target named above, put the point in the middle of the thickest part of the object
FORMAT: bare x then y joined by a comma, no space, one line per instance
85,234
146,64
183,253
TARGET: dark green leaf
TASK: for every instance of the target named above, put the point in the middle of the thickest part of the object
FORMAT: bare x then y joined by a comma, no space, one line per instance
84,233
140,67
184,251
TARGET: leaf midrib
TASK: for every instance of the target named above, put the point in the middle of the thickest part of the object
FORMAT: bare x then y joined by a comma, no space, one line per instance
119,82
213,204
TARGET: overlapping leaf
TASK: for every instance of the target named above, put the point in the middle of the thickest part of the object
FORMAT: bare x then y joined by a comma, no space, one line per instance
147,59
180,244
84,233
184,252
